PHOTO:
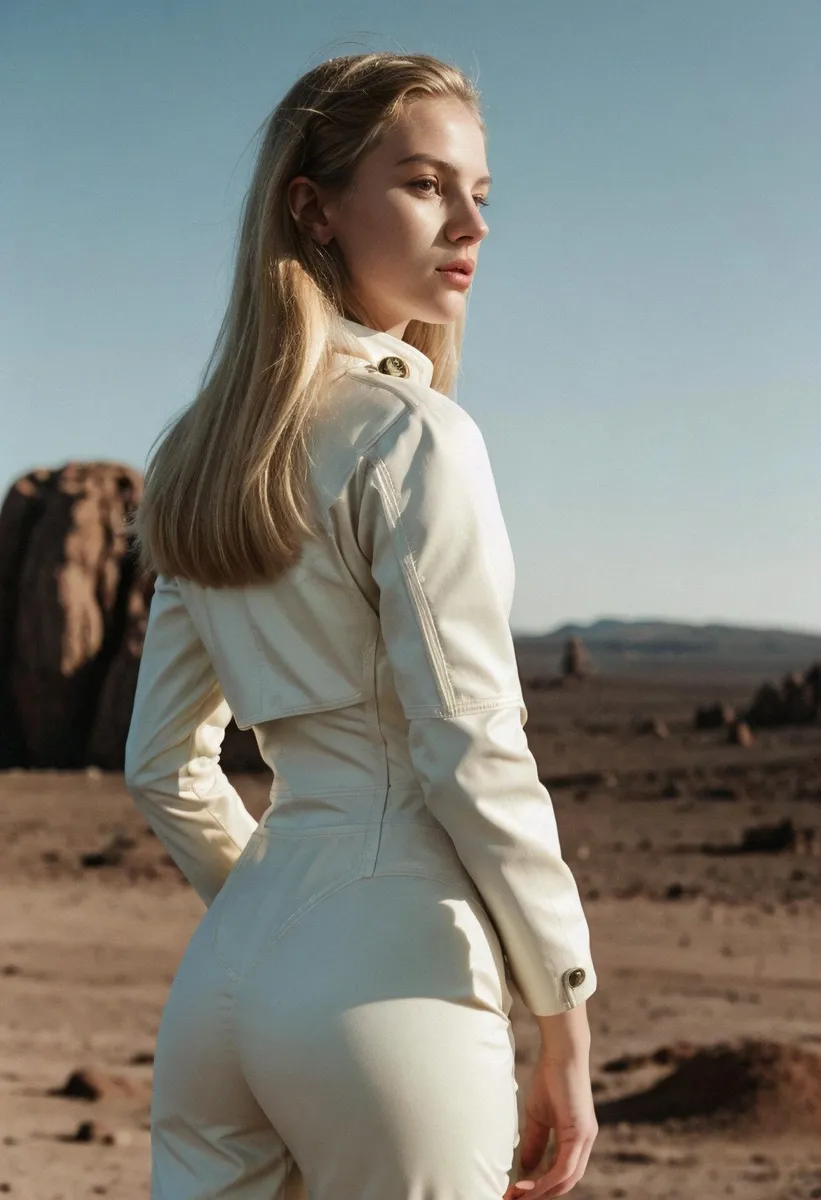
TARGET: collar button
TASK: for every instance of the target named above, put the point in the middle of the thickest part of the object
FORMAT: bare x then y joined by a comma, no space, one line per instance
392,364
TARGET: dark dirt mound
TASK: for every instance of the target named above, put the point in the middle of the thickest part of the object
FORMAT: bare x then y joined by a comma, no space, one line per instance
744,1086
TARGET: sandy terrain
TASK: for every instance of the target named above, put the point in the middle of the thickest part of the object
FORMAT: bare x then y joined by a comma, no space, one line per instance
696,945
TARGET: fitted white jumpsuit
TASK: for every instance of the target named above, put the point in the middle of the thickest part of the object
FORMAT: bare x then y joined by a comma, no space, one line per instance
340,1017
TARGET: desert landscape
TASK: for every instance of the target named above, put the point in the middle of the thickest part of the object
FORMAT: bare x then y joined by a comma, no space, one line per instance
696,853
195,195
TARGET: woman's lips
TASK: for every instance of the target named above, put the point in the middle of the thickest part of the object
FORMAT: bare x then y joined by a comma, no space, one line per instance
458,278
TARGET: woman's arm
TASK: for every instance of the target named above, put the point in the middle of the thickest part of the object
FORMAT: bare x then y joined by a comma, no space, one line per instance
431,526
172,751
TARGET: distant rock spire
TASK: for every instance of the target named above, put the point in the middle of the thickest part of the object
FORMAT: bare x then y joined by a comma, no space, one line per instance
575,659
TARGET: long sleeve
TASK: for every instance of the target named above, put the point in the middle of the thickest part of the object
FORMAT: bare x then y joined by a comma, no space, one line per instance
172,766
430,524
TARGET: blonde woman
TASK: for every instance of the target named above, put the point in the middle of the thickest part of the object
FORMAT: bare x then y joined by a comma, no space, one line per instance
334,572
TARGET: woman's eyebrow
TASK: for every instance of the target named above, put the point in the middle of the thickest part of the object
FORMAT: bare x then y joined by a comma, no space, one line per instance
441,163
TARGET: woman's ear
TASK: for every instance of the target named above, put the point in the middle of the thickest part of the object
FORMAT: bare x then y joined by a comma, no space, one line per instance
308,210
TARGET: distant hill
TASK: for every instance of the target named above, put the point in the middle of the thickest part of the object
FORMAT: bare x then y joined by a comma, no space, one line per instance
617,645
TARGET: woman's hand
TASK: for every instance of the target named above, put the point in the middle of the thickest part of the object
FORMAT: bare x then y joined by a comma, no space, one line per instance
559,1099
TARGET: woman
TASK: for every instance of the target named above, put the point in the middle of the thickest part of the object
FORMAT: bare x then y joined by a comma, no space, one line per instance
333,571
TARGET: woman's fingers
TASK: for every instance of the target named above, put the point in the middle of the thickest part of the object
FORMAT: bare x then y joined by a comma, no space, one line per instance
573,1152
534,1141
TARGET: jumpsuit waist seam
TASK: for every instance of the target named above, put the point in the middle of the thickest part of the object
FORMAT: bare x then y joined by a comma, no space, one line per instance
332,828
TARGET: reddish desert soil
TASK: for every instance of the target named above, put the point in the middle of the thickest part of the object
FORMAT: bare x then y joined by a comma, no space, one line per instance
706,1055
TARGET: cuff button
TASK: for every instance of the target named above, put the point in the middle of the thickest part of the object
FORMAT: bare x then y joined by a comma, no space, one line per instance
576,977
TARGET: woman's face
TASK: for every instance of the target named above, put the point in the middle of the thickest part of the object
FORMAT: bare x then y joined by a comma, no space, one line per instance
400,221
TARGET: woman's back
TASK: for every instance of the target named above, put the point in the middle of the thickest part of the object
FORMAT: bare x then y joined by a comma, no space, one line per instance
379,676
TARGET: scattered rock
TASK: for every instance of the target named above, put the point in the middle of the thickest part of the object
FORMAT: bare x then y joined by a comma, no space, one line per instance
740,734
111,855
583,779
625,1062
765,1087
663,1056
654,726
679,891
630,890
634,1157
92,1131
719,792
807,842
677,1052
713,716
86,1131
87,1083
769,839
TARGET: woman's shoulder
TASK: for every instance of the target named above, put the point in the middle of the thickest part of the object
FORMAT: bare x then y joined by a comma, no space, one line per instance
368,409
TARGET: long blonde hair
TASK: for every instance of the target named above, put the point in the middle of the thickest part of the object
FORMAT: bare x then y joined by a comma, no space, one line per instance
227,498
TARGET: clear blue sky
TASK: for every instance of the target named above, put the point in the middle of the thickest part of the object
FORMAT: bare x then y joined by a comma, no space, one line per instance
644,339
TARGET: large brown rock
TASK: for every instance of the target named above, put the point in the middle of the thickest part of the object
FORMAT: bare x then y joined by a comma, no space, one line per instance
73,613
109,727
66,580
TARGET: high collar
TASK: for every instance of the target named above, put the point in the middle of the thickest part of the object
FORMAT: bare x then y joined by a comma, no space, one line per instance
373,345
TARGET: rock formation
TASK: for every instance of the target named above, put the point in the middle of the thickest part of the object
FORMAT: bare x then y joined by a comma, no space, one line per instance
796,702
73,612
575,659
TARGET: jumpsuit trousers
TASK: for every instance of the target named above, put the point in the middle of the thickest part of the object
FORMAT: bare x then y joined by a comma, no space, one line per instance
339,1022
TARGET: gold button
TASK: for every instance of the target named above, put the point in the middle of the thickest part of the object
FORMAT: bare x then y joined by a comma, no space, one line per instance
576,977
392,364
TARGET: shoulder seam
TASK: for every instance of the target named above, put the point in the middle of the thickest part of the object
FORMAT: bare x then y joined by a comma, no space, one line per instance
409,405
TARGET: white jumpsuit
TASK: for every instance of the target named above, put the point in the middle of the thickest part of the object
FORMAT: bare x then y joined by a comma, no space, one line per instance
339,1021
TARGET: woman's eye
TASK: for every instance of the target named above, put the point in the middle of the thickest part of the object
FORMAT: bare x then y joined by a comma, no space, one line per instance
422,182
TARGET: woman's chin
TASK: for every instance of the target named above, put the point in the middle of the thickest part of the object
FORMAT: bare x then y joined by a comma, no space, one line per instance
445,309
